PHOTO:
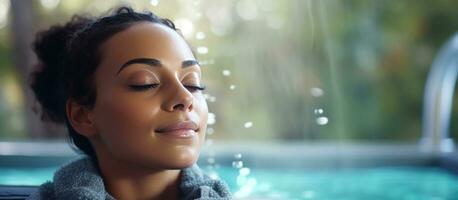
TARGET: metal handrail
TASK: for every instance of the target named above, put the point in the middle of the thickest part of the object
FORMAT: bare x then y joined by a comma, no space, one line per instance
438,99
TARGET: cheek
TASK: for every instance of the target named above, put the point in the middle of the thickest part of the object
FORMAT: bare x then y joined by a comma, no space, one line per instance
124,119
201,109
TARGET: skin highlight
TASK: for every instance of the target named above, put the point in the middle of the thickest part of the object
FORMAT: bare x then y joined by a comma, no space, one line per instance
133,102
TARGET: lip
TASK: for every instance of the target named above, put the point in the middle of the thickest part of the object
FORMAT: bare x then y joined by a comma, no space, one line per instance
183,129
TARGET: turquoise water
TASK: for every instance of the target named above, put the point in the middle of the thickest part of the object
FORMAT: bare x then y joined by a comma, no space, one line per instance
387,183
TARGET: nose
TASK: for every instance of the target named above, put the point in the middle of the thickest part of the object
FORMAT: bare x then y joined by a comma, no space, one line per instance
178,98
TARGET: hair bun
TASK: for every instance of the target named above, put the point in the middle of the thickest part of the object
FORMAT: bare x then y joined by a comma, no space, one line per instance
50,46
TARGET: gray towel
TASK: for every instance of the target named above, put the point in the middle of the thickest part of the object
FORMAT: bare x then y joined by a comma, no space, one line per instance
80,180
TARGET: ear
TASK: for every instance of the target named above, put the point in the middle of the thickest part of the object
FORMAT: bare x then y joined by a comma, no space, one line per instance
81,118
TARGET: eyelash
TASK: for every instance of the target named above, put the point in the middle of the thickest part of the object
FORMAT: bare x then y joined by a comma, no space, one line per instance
191,88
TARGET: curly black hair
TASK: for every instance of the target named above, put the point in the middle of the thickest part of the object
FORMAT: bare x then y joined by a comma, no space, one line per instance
68,56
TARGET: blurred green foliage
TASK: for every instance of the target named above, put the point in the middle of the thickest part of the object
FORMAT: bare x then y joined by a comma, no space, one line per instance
370,58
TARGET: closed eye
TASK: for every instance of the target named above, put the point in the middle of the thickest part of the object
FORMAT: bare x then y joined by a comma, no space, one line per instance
191,88
143,87
194,88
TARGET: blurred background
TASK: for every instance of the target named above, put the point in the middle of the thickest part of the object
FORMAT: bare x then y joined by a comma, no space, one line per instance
295,70
310,84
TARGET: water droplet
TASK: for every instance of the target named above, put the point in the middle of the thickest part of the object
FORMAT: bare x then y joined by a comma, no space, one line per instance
213,175
248,124
241,180
318,111
210,131
238,156
316,92
226,72
322,120
247,185
237,164
232,87
209,97
211,119
244,171
209,142
50,4
202,50
211,160
200,35
154,2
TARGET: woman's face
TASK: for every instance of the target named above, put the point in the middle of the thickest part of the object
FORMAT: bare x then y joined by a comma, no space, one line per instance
145,88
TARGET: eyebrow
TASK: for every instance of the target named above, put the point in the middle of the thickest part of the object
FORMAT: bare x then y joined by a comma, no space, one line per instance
154,63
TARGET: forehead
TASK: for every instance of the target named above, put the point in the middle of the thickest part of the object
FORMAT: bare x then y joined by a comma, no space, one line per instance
146,40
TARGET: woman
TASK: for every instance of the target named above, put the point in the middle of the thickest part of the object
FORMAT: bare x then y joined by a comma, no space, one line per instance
128,87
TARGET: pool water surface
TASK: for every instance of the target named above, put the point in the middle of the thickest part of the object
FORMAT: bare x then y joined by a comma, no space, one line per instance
387,183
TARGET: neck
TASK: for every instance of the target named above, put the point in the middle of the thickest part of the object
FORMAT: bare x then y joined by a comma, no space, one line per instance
129,181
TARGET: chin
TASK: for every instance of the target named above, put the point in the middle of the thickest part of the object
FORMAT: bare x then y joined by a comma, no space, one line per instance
180,165
183,159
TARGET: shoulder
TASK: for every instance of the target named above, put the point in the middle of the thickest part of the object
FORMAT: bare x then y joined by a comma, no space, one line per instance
78,179
45,191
